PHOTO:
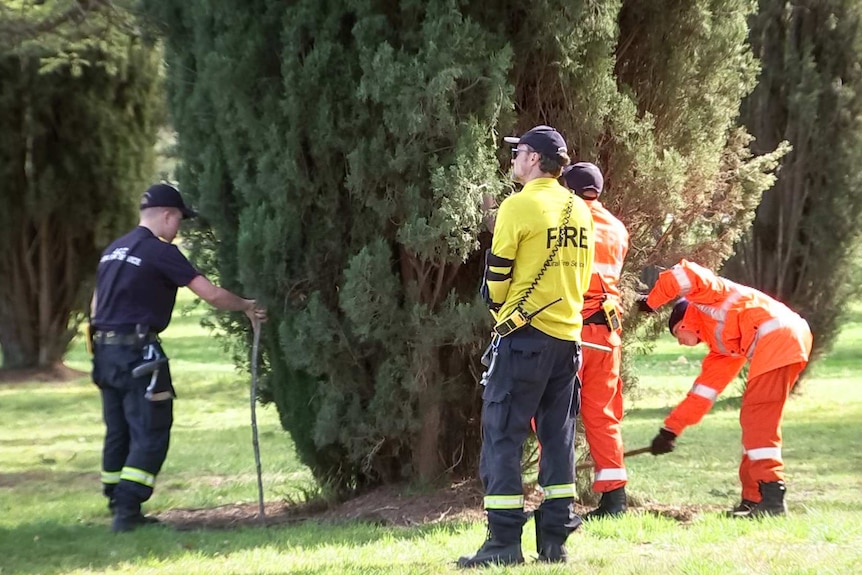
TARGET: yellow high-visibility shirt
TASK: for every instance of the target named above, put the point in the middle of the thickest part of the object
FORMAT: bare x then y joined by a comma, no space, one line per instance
527,228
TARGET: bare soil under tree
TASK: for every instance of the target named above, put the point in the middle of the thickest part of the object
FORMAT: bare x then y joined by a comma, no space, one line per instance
394,505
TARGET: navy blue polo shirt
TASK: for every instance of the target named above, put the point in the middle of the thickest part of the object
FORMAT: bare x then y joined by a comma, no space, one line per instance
137,281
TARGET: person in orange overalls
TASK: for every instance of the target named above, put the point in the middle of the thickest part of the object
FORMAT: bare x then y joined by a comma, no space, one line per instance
601,385
738,324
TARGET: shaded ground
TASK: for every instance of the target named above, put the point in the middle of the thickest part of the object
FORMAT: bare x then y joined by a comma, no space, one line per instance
390,505
55,374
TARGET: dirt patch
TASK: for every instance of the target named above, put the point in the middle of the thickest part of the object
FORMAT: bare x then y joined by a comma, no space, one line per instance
684,514
58,373
389,505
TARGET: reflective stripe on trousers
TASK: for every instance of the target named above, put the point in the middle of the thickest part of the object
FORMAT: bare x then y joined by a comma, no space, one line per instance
611,475
110,477
504,501
138,476
559,491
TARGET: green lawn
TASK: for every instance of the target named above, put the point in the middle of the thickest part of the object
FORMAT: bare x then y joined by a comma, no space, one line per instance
53,519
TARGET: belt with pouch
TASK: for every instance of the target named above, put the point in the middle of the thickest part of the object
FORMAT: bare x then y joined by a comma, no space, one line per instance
597,318
117,338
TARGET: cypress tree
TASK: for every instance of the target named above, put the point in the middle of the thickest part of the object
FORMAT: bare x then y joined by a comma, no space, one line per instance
339,152
802,247
78,117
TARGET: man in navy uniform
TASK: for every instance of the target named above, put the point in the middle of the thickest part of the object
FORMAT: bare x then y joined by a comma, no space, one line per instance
136,287
539,266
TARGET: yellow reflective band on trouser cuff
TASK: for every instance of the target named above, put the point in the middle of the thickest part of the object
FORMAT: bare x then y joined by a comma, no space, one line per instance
138,476
559,491
504,501
110,477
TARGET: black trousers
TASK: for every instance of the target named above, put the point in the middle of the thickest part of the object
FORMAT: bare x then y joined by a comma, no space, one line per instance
536,377
138,430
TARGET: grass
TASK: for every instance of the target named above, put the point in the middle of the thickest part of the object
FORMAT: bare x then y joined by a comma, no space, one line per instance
53,519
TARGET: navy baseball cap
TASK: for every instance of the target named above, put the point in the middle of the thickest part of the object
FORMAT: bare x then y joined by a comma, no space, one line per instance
544,139
584,176
166,196
677,314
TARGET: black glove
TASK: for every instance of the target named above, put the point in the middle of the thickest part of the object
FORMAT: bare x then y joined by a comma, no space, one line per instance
649,275
664,442
643,307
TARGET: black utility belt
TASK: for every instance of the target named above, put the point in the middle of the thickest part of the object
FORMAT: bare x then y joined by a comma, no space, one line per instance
117,338
597,318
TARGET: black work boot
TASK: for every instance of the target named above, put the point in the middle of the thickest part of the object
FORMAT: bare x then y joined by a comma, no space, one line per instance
742,509
612,504
124,523
130,519
551,546
493,552
108,492
553,552
773,500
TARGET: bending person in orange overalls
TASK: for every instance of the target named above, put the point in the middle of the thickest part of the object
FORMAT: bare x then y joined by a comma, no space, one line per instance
737,323
601,385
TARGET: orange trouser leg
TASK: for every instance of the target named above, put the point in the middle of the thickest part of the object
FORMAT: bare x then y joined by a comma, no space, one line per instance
602,407
760,419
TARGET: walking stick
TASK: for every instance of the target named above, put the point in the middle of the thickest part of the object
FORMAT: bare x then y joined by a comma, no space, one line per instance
255,348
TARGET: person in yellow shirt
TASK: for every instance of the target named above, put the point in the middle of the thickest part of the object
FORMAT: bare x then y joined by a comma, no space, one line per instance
536,274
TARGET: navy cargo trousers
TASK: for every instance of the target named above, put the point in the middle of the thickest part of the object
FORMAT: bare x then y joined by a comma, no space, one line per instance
536,376
138,430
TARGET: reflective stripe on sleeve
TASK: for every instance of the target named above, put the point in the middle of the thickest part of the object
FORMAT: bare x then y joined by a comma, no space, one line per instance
618,474
504,501
704,391
110,477
762,453
561,491
682,279
138,476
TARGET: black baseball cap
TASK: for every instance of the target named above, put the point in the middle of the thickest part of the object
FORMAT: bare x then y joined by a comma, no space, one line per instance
584,176
544,139
166,196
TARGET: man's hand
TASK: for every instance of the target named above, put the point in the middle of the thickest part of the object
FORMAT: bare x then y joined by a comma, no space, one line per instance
255,313
664,442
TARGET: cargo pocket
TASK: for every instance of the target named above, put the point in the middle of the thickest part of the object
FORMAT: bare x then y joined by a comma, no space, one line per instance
497,396
162,401
495,416
161,414
526,357
97,375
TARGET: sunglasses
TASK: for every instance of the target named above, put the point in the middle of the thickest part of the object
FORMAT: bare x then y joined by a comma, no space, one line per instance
516,151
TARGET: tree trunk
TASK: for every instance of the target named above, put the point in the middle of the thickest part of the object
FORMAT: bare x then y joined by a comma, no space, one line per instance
426,458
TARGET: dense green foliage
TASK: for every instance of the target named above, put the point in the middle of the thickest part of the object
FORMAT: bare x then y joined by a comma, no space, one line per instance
78,118
339,151
803,246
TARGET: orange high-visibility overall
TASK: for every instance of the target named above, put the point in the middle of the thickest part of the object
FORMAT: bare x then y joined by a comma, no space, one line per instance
601,386
739,324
